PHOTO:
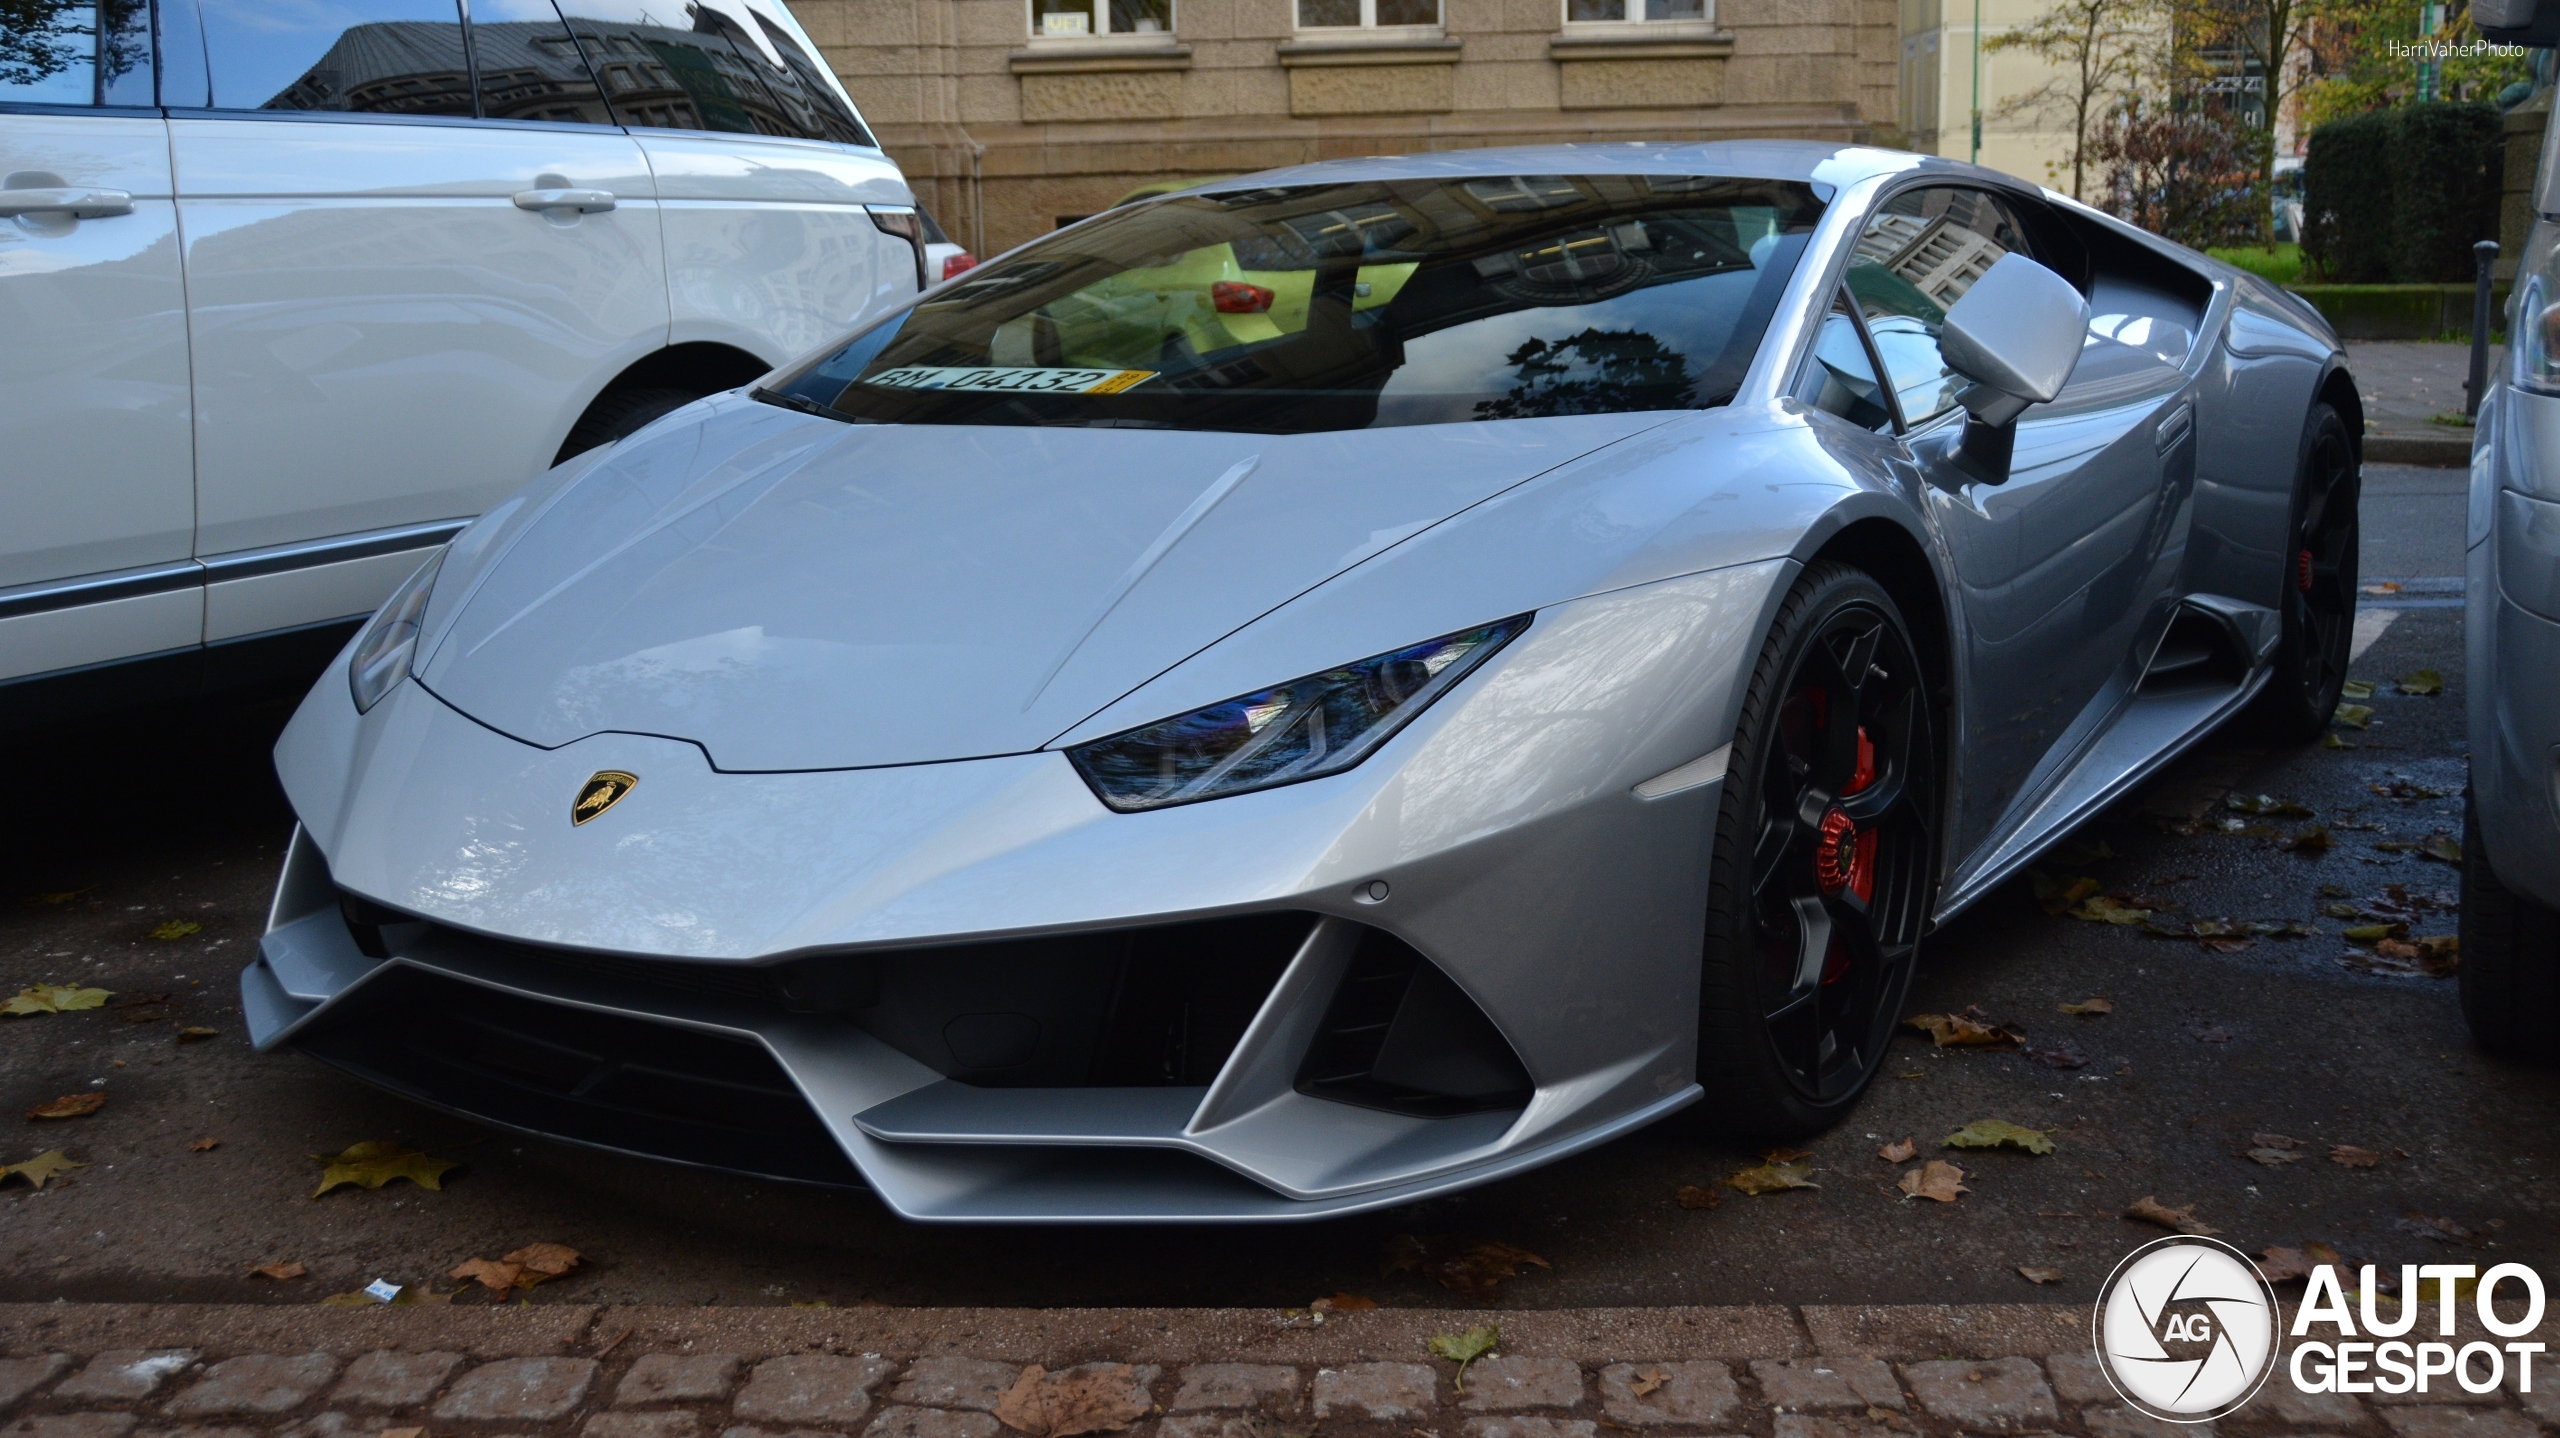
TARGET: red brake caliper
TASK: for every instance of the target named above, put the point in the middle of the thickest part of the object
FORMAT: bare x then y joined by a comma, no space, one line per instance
2302,572
1846,858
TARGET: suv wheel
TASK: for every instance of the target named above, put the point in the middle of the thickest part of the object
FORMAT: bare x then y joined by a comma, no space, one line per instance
619,414
2510,974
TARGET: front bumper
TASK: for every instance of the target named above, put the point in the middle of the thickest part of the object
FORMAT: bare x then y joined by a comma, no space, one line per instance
624,984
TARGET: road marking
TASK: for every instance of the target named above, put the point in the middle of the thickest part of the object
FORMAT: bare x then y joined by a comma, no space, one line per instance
2369,626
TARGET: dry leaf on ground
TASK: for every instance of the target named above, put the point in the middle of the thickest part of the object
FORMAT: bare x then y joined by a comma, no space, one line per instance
55,999
1898,1152
1691,1196
279,1271
46,1166
2423,682
2039,1275
204,1145
1938,1179
371,1165
175,928
1464,1348
193,1032
1998,1133
2442,1230
2354,716
2284,1265
2089,1008
1343,1303
1772,1178
1093,1398
1464,1265
1648,1379
70,1105
2059,1054
532,1264
2177,1220
2311,839
1972,1028
2347,1155
2358,688
2268,805
2112,909
2441,847
2057,899
2277,1157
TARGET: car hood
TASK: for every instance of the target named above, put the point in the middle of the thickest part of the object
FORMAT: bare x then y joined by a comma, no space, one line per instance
791,592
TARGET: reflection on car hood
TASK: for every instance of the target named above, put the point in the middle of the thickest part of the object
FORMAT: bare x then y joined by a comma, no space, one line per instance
795,593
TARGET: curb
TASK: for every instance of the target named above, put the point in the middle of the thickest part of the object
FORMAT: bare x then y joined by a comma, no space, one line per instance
2444,451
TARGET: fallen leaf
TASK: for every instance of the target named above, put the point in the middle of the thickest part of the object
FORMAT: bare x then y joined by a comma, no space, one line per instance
2057,899
194,1032
2312,839
2442,1230
1786,1155
371,1165
204,1145
2040,1275
2356,689
1961,1031
2373,933
1997,1133
2284,1265
58,898
2109,909
2321,1253
1898,1152
70,1105
1465,1265
55,999
2422,682
2268,805
1648,1379
2354,716
527,1266
2347,1155
2332,741
2395,949
278,1271
2089,1008
51,1164
1462,1348
1691,1196
175,928
1343,1303
2059,1054
1093,1398
2277,1157
2402,788
2177,1220
2274,1140
1772,1178
1937,1179
2442,847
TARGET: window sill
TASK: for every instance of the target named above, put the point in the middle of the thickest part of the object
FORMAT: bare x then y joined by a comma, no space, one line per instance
1643,40
1100,54
1371,48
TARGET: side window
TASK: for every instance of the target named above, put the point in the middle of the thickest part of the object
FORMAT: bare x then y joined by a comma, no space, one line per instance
808,96
1920,252
1840,377
531,67
705,73
76,52
396,57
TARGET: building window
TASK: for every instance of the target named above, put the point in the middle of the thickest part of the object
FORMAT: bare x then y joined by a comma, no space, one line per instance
1368,14
1622,12
1074,19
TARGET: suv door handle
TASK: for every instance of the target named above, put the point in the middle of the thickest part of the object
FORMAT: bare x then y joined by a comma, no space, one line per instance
78,201
585,202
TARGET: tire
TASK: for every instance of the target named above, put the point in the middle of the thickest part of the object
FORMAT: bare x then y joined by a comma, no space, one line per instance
2510,974
619,414
2319,604
1825,861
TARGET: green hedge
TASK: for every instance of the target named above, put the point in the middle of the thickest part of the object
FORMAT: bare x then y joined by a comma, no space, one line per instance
2398,196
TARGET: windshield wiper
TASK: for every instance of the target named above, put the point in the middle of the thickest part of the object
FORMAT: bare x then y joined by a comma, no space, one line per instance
800,402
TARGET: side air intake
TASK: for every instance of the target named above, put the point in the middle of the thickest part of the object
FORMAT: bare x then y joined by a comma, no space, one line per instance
1401,1036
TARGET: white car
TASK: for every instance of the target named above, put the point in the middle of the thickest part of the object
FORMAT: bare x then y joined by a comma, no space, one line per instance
289,294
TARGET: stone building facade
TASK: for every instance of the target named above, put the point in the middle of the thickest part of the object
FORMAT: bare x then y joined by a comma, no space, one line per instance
1013,116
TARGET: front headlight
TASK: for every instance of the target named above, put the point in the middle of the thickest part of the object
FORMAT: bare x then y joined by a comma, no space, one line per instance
382,655
1304,729
2533,328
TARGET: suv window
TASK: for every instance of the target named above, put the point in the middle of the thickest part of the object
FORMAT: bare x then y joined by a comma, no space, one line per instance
807,94
1341,306
706,73
399,57
1920,252
51,52
530,66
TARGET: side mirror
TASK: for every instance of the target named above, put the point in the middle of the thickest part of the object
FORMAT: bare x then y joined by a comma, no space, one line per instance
2518,22
2017,335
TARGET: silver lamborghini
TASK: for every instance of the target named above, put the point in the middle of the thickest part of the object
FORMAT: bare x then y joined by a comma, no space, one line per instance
1318,690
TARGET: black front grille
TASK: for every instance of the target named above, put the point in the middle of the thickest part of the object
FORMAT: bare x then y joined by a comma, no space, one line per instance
1400,1035
618,1082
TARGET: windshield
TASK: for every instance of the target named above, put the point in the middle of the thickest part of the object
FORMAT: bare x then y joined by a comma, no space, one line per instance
1341,306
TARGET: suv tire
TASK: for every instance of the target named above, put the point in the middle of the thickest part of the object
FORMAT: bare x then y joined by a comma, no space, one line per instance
2510,974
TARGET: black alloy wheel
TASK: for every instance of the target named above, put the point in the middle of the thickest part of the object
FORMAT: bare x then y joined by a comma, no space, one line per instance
2319,596
1824,861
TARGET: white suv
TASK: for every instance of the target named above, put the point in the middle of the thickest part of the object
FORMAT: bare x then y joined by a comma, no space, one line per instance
290,292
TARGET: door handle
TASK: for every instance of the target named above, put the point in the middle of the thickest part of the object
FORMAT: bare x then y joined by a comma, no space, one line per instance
585,202
81,202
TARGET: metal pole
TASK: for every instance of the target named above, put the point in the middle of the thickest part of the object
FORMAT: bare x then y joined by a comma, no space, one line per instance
2484,257
1976,156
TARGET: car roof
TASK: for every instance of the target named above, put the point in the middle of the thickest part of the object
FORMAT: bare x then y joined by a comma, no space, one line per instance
1828,167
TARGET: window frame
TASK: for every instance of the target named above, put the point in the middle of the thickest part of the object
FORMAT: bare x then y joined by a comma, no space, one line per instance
2035,243
1102,12
1895,427
1368,27
1684,26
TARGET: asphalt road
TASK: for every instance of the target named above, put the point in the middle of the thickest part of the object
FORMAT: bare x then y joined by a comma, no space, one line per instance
173,818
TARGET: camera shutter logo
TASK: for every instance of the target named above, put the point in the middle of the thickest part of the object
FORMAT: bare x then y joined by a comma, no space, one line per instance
2186,1329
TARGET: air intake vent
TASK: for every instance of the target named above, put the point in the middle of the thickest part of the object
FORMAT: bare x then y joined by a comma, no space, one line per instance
1401,1036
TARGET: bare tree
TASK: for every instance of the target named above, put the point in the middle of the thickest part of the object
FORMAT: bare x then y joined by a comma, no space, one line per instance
2099,49
2268,33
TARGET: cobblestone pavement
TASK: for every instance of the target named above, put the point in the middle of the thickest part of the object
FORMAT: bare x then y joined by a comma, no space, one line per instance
131,1371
